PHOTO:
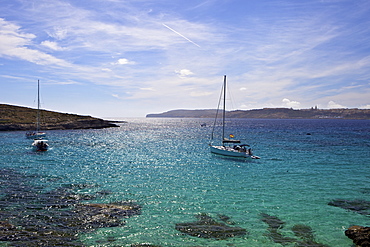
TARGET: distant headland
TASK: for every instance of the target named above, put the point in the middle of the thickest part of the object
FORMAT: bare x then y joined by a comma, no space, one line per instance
24,118
271,113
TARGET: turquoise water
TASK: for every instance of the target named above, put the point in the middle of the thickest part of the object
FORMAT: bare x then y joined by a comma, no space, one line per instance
165,166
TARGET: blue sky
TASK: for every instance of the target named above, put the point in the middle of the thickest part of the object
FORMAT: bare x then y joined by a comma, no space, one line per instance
122,58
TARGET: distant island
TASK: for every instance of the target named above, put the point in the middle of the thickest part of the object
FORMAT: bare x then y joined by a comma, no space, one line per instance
24,118
271,113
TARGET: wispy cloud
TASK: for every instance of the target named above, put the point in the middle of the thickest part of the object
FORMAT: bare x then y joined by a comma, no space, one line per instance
15,43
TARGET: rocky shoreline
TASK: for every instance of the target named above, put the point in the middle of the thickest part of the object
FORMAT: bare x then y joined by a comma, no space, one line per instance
13,118
78,124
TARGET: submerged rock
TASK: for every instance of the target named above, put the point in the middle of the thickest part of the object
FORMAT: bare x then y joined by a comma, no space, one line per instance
122,209
359,206
275,224
207,227
226,219
61,227
306,234
64,197
29,217
84,217
303,232
9,232
273,221
360,235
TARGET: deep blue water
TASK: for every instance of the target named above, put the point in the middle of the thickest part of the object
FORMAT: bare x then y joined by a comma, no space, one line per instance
165,166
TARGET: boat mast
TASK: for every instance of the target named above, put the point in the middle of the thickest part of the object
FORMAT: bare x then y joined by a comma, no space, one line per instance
38,106
224,111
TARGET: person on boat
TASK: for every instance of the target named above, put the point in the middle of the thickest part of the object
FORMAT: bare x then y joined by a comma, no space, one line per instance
42,146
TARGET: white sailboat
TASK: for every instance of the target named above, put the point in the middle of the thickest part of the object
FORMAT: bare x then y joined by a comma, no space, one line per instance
39,144
37,134
229,147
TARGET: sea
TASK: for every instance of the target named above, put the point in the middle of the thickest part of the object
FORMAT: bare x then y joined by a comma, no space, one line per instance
312,175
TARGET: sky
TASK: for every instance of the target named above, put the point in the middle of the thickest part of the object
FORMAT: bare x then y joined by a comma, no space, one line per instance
129,58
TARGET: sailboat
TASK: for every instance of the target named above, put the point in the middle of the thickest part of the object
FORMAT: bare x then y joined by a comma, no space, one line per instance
37,134
229,147
39,144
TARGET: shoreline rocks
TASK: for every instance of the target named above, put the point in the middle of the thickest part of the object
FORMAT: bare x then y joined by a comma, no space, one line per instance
86,124
360,235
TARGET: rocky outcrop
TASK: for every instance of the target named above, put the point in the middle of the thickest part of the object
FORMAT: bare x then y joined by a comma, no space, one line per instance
360,235
82,124
23,118
206,227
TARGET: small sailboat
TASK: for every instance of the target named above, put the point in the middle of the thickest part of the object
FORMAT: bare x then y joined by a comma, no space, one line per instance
39,144
37,134
229,147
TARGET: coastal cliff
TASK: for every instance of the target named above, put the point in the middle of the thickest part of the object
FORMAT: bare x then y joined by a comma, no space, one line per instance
271,113
24,118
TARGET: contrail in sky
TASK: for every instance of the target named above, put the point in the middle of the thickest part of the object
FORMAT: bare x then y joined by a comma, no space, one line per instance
181,35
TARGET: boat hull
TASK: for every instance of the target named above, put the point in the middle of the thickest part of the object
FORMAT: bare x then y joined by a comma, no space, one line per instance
228,151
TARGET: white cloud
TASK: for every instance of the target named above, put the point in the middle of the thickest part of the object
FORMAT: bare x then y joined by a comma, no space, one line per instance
291,103
52,45
123,61
184,73
334,105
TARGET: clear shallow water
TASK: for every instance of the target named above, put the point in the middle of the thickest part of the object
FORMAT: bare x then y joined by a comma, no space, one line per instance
165,166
